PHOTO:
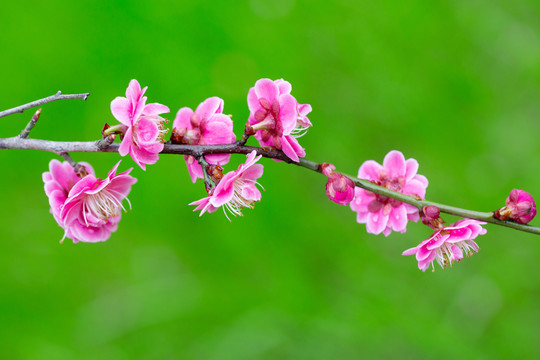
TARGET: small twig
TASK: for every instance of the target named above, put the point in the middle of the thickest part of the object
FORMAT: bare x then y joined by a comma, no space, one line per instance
208,182
26,131
105,142
48,99
80,170
248,131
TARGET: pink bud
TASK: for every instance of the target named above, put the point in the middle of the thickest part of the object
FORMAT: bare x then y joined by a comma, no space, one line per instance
339,188
520,207
431,216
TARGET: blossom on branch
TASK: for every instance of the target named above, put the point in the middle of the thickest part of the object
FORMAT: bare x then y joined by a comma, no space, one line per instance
277,118
339,188
448,244
207,125
236,190
520,207
143,128
88,208
382,214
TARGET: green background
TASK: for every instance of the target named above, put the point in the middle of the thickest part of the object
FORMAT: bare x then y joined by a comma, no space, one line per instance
453,84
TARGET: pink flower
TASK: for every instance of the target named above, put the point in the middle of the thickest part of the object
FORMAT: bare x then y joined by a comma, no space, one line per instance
277,117
236,190
206,126
339,188
520,207
383,214
88,209
143,127
448,244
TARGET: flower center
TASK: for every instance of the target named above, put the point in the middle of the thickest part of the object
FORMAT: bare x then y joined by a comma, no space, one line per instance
395,184
102,205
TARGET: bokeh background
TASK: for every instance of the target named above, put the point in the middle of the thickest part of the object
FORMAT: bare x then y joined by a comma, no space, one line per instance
454,84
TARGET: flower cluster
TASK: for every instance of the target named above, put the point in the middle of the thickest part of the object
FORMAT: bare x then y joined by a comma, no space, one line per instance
385,196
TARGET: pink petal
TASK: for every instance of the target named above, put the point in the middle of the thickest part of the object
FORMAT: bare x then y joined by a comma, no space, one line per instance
194,169
183,119
288,149
411,251
376,223
253,104
209,107
121,110
147,130
411,169
134,92
283,86
142,157
422,179
398,218
218,159
253,172
125,146
414,187
218,131
369,170
287,113
394,164
250,192
460,235
265,88
155,109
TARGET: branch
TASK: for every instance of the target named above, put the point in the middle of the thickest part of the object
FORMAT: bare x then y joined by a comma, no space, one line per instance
57,96
26,131
59,147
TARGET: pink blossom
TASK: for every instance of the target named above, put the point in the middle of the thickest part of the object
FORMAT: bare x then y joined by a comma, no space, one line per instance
448,244
339,188
520,207
236,190
277,118
88,209
143,127
207,125
380,213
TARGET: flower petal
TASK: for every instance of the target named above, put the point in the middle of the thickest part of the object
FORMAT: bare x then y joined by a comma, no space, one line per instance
394,164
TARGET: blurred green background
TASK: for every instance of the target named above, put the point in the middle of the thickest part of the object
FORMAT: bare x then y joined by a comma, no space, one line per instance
454,84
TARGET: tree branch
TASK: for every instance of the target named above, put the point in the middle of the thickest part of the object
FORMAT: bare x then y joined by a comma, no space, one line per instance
59,147
48,99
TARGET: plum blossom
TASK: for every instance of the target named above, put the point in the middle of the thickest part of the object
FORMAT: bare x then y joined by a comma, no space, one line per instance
277,118
207,125
143,129
448,244
520,207
382,214
88,208
236,190
339,188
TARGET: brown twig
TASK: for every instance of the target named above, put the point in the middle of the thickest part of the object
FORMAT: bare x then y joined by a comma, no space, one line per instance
48,99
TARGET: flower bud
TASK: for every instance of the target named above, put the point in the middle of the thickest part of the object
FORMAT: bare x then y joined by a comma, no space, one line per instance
339,188
431,216
520,207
